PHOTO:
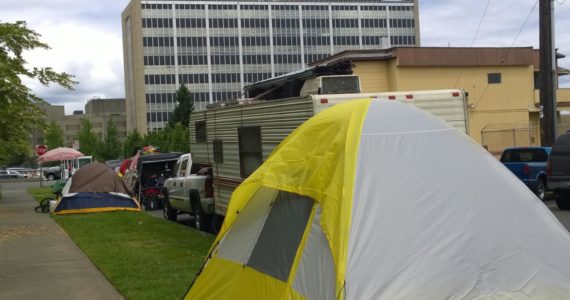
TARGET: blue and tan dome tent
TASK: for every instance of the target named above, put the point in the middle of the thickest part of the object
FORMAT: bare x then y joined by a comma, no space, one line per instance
379,200
95,188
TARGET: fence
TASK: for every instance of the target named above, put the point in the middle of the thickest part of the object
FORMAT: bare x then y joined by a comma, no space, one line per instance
497,137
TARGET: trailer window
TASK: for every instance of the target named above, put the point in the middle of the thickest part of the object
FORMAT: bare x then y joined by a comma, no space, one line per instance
218,151
200,127
250,154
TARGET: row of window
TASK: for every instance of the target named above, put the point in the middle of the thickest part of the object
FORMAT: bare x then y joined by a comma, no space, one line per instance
232,59
253,41
193,60
184,60
346,40
225,77
228,59
222,96
406,40
287,58
277,23
156,23
309,58
315,23
345,23
274,7
193,78
216,77
189,6
402,23
190,23
159,79
196,41
158,42
285,23
160,98
374,23
158,116
255,77
153,60
286,40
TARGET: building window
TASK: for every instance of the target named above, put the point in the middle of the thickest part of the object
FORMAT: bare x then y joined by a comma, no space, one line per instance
493,78
200,127
218,151
250,154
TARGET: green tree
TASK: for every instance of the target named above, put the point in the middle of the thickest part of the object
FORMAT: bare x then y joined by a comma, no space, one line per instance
178,139
110,147
184,106
87,138
157,138
134,141
53,135
20,112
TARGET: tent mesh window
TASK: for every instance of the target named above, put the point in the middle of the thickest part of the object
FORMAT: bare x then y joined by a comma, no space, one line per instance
276,247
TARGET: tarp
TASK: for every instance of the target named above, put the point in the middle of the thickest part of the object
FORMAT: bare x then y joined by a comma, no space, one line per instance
95,188
380,200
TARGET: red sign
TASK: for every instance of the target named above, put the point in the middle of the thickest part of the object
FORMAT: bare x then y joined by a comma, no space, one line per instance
41,149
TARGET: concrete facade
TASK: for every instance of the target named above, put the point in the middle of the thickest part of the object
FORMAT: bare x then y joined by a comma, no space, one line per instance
218,47
97,111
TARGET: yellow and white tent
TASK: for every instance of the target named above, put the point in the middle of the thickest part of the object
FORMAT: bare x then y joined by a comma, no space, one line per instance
380,200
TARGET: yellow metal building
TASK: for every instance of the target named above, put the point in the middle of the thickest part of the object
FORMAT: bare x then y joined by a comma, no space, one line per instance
501,82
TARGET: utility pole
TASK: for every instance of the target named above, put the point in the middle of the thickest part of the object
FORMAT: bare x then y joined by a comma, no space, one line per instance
547,73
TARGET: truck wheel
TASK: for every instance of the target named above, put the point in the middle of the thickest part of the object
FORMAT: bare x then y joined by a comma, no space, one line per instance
168,212
540,190
202,221
50,176
562,200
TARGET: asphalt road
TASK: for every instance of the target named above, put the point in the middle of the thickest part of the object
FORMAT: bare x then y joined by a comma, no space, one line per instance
562,215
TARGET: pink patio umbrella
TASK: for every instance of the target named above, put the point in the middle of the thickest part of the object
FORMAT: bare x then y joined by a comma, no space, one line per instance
60,153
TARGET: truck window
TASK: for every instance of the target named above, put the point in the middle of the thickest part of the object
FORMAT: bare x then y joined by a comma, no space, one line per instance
176,168
524,155
183,166
250,154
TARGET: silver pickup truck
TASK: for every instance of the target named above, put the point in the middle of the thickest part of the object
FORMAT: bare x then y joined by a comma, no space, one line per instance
190,190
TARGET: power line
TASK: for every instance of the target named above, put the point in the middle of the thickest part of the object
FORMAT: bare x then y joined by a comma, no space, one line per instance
474,38
524,23
480,22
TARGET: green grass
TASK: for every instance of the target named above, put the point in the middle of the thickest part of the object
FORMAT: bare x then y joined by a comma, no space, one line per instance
142,256
40,193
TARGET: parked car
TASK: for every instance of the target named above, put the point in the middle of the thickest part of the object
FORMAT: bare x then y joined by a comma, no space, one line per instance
52,173
190,190
559,171
26,172
530,164
10,174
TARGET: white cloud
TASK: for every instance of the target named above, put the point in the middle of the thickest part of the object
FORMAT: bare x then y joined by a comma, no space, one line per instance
444,23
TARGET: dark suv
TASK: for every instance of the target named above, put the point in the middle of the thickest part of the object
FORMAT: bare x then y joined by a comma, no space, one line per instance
559,171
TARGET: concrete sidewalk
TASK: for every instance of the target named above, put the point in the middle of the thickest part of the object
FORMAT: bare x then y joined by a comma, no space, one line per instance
37,258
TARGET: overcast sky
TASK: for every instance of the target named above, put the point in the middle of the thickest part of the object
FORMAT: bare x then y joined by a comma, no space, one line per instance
85,37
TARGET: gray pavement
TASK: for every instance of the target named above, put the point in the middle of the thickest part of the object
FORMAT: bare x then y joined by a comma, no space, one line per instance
38,260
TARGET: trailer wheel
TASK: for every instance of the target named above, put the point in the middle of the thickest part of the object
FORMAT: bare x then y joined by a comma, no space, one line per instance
202,221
